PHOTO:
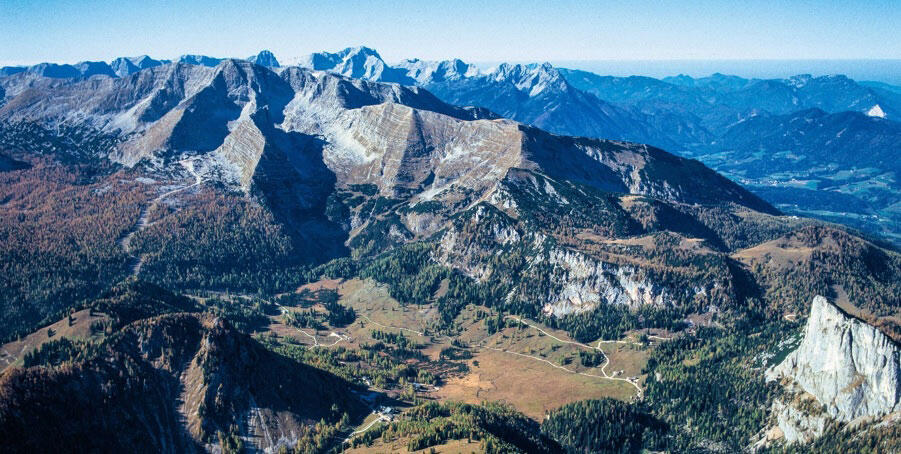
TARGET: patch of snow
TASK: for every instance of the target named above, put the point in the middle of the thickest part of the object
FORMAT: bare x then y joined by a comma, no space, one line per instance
431,192
876,111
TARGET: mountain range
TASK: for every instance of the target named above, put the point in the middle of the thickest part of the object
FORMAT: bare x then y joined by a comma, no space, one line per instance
301,133
705,118
717,100
415,229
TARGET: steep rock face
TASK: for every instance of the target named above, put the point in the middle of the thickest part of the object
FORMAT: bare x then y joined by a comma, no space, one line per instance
264,58
398,147
557,276
580,283
588,283
796,425
848,366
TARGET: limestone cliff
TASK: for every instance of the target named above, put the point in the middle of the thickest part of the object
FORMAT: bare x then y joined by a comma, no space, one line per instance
848,366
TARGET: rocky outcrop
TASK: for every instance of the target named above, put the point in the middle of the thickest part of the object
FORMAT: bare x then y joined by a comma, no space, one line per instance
169,384
264,58
577,281
356,62
794,424
588,283
848,366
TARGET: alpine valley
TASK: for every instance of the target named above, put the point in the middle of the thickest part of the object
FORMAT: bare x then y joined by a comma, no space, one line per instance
341,255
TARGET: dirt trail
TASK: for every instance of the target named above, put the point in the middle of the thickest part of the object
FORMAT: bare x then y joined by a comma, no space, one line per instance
391,327
604,373
340,338
604,376
143,218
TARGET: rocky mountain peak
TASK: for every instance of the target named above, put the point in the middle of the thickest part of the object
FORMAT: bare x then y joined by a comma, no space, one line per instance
264,58
54,70
876,111
144,61
800,80
426,72
11,70
124,66
328,61
226,117
531,78
357,63
362,62
201,60
94,68
361,50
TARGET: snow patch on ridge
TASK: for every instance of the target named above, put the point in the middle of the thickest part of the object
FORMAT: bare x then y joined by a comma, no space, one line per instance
876,111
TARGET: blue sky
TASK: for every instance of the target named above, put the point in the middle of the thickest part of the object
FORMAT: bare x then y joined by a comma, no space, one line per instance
69,30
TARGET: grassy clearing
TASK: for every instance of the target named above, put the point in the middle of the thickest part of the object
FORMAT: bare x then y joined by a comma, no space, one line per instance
80,328
626,360
531,386
533,371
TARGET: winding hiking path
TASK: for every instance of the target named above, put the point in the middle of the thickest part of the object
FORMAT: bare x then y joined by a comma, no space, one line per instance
604,373
142,222
604,376
368,426
315,341
391,327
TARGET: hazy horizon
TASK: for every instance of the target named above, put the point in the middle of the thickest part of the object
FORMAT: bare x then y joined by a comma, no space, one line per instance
875,70
526,30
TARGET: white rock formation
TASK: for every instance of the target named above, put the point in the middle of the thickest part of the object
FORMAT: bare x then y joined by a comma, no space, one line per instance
795,425
850,367
587,283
